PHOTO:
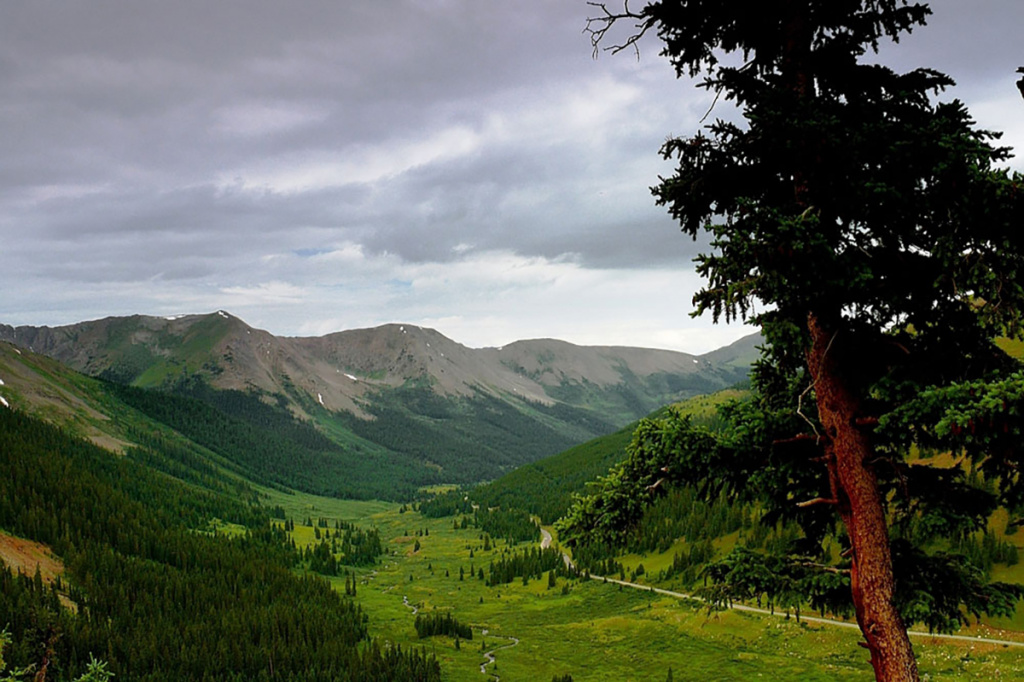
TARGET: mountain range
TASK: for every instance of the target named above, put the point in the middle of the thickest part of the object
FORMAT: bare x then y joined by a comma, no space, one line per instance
400,395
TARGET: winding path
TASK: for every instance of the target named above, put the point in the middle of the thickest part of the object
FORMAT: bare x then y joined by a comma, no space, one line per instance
545,539
978,639
545,542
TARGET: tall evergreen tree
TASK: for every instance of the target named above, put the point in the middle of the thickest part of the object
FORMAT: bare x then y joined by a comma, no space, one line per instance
874,232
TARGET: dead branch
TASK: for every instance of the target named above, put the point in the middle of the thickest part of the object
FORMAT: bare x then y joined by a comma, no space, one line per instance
598,27
827,569
799,438
816,501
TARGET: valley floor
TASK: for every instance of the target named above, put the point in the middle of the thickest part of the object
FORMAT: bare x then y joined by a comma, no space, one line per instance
597,630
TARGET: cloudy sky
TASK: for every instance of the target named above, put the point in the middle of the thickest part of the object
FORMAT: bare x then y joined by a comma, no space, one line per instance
320,165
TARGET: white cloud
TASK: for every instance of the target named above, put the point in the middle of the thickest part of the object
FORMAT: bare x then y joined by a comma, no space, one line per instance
267,293
490,298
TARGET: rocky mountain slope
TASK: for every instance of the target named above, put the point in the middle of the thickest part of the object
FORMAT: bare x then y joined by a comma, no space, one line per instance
343,371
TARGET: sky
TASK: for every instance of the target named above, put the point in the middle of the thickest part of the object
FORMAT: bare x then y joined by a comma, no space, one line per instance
314,166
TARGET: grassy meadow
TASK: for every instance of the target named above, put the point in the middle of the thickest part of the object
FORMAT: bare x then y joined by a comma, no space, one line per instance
595,630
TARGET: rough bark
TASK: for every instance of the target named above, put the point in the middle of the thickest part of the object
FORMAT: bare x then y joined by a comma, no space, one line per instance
860,505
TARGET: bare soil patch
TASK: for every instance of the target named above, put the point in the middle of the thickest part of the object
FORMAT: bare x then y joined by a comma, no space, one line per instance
25,555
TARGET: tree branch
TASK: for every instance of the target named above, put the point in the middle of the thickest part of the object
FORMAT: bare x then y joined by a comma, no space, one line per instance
827,569
604,23
816,501
800,400
799,438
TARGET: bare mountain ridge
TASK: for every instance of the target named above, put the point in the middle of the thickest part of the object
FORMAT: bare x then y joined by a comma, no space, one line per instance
550,362
343,370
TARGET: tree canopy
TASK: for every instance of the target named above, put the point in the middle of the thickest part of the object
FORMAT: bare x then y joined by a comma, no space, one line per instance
870,230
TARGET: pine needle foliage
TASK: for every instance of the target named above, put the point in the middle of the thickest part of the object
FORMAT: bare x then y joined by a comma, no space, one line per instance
870,231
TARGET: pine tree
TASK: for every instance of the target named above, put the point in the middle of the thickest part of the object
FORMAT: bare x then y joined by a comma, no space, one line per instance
867,230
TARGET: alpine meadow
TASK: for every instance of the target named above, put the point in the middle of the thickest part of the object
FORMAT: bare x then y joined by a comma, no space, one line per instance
832,493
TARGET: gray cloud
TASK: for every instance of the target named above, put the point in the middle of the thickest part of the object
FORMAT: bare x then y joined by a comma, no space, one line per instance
164,155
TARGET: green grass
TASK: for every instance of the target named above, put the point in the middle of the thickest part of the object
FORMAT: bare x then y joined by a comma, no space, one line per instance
706,406
297,506
654,562
1010,574
1012,347
601,632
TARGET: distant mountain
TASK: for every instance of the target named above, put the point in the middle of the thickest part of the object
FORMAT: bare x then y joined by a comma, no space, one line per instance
340,370
448,412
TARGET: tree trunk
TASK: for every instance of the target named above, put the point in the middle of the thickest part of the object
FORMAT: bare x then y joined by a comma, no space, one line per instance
860,505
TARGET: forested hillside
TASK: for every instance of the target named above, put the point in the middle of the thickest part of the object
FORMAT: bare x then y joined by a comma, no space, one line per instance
153,597
545,488
268,445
